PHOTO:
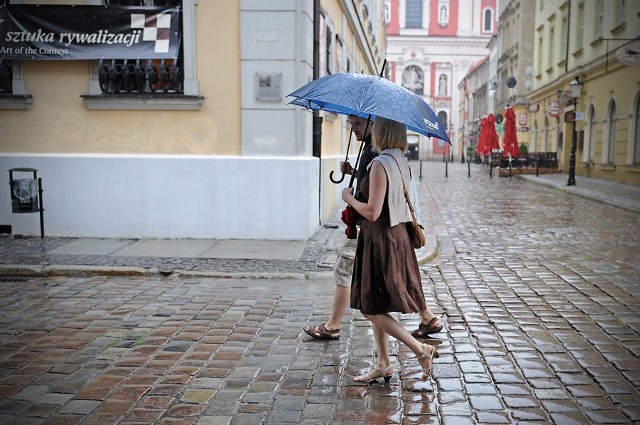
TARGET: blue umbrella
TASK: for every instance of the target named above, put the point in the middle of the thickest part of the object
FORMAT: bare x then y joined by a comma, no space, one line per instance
364,95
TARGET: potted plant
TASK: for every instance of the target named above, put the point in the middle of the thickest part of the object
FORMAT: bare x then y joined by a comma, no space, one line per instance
524,149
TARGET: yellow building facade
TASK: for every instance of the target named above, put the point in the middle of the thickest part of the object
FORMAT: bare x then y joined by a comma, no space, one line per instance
597,42
214,153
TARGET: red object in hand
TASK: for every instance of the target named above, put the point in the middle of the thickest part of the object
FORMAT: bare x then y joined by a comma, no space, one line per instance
350,218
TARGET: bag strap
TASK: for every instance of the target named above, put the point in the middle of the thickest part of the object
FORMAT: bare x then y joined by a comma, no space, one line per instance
404,188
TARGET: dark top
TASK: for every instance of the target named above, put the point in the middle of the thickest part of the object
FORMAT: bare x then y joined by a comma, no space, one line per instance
367,155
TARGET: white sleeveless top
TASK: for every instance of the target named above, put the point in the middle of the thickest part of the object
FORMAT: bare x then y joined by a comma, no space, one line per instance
398,209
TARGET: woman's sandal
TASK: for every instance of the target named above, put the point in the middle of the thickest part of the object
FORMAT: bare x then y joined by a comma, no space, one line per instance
429,356
427,329
321,332
374,374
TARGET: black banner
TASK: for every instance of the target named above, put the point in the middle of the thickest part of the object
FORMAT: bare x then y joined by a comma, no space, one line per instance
89,32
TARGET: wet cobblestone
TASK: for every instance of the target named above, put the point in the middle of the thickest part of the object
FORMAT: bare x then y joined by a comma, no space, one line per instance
538,289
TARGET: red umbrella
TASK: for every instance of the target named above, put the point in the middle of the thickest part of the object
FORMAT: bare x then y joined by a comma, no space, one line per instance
510,137
492,136
482,148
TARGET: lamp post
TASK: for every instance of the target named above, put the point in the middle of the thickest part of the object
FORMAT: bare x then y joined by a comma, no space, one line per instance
576,91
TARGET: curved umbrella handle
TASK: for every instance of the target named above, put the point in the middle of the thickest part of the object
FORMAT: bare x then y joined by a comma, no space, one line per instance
336,181
346,158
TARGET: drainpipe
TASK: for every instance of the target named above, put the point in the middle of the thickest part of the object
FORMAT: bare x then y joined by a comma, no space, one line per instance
317,119
566,53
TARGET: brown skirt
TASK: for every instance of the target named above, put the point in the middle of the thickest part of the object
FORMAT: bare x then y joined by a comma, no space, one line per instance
386,277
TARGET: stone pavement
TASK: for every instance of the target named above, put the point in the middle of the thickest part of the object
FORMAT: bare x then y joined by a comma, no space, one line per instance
538,290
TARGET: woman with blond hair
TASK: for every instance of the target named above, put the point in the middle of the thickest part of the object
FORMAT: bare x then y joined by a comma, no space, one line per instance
386,277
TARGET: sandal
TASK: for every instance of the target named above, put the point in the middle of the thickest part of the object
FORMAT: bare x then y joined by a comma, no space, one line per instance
321,332
374,374
427,329
429,356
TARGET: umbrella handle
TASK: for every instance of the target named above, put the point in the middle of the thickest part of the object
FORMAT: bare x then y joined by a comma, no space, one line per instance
346,158
336,181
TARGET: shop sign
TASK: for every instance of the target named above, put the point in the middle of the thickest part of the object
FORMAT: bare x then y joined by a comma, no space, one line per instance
58,32
554,109
523,119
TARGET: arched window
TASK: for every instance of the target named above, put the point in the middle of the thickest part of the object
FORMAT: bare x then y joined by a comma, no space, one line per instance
488,20
413,79
546,134
636,135
611,139
591,135
534,138
442,116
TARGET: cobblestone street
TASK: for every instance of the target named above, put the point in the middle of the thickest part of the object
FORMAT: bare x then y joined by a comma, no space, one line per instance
538,290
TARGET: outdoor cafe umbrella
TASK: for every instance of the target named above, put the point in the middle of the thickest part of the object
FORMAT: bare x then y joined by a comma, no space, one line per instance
492,135
482,148
510,140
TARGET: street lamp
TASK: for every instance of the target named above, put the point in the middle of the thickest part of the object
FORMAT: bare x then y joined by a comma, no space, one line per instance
576,91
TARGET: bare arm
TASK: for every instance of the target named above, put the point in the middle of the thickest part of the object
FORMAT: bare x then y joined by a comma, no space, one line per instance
372,209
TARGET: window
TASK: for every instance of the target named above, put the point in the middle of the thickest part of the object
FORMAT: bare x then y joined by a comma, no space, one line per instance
413,14
563,36
413,79
488,20
6,77
611,139
599,24
329,51
580,33
546,134
621,10
13,86
340,53
130,75
540,49
442,116
167,85
592,136
327,46
550,50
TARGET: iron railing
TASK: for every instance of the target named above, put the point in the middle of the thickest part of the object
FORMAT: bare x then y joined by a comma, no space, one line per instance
140,76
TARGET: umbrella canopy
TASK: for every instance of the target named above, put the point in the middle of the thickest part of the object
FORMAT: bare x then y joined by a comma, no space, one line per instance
364,95
481,147
510,136
492,135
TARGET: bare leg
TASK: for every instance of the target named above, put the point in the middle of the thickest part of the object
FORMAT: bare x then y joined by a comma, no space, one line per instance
382,346
383,368
387,324
341,298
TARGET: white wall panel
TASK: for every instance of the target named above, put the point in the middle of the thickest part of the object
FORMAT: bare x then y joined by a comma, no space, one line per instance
169,196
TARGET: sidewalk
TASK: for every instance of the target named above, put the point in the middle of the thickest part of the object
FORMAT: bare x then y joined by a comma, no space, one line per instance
311,259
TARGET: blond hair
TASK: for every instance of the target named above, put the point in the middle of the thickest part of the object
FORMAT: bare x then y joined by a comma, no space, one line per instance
389,134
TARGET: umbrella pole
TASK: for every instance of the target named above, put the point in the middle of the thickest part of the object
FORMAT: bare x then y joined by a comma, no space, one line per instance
346,158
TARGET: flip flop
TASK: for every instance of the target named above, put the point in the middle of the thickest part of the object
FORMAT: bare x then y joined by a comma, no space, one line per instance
320,332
